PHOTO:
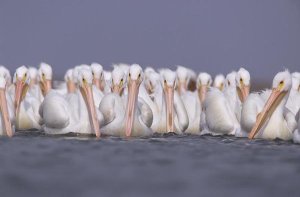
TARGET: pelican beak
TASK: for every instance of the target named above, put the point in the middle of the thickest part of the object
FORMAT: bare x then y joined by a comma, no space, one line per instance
182,87
243,92
5,115
169,93
117,89
97,83
45,86
270,106
71,86
133,90
86,91
202,92
20,93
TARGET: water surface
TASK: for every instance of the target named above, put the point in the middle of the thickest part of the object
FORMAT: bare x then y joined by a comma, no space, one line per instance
33,164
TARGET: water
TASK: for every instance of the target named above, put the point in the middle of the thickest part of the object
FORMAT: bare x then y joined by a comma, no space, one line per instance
33,164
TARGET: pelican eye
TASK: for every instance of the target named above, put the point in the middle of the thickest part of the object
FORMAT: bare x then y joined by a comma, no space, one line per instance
241,80
93,73
129,75
139,76
281,84
229,83
165,81
83,80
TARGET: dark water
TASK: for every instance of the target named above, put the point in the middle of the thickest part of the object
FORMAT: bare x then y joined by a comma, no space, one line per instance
38,165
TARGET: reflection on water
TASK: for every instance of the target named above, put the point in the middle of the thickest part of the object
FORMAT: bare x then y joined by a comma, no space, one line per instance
33,164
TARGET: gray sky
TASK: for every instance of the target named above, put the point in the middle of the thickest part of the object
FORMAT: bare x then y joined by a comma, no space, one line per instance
206,35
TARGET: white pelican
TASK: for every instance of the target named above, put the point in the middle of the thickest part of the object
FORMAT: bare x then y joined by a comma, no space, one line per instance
6,108
223,109
203,84
293,103
190,99
130,119
169,113
98,77
26,105
61,117
219,82
273,120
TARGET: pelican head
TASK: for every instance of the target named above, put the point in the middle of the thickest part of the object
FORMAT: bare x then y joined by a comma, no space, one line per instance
21,81
33,72
219,82
85,81
183,79
282,83
134,79
230,80
45,77
4,72
118,80
203,83
98,78
168,81
4,108
70,81
151,81
243,83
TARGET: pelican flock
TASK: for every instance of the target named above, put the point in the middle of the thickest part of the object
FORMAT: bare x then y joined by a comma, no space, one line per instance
128,101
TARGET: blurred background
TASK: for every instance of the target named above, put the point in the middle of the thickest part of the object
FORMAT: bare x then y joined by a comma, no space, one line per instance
216,36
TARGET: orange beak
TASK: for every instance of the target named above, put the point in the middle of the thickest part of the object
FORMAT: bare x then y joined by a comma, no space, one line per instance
271,104
202,93
243,92
71,86
5,115
20,93
87,94
45,86
169,93
133,90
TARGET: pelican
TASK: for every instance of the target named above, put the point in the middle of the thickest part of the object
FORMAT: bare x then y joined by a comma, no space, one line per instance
272,120
98,78
6,108
169,113
130,119
26,105
293,103
190,99
223,109
204,82
219,82
61,117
